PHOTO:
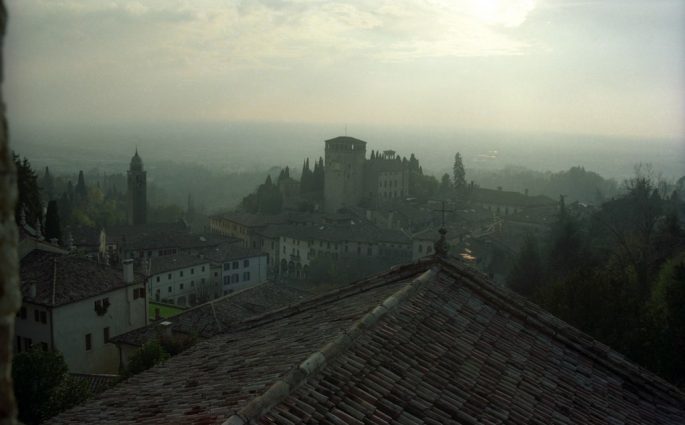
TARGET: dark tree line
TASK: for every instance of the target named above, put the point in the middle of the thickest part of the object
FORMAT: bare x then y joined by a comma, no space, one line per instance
267,199
618,275
312,181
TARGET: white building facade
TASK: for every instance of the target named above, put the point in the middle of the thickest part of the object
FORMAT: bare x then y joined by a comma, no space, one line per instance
54,316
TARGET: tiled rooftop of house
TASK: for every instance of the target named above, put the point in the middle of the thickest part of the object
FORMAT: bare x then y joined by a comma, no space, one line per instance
221,314
167,263
161,235
355,232
509,198
430,342
229,251
63,279
96,383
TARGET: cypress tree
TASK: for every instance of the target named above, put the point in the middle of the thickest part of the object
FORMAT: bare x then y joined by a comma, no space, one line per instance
81,189
52,226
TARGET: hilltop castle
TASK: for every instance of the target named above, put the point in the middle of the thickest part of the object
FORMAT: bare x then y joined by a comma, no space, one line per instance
351,178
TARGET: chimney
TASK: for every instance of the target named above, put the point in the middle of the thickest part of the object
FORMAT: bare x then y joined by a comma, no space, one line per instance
165,328
128,270
33,291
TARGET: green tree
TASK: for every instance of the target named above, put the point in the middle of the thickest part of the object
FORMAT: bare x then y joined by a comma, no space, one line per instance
667,309
526,275
52,226
29,192
445,185
47,185
43,387
81,190
145,357
458,173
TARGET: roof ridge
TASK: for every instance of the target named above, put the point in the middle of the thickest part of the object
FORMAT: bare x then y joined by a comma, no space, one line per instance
353,288
318,360
216,319
195,307
54,280
569,335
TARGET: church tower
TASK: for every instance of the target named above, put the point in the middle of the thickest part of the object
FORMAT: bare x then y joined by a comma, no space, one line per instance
137,192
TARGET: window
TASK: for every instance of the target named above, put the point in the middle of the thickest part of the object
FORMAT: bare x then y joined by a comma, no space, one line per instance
44,346
169,289
43,317
36,315
22,313
105,334
203,268
227,266
89,342
227,280
236,264
216,274
139,293
101,306
180,287
192,283
246,276
180,273
157,279
169,276
235,278
368,251
246,263
28,343
192,270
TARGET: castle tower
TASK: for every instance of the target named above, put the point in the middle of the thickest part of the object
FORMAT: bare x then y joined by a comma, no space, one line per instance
344,172
137,192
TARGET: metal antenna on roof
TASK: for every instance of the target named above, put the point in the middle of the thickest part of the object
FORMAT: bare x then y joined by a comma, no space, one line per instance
443,211
440,245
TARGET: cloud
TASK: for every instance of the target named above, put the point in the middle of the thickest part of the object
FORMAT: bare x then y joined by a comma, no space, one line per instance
263,34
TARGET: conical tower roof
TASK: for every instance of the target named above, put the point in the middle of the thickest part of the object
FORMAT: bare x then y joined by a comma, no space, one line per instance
136,162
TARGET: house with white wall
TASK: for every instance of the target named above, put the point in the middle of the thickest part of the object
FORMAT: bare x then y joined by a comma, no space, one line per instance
74,306
237,266
180,279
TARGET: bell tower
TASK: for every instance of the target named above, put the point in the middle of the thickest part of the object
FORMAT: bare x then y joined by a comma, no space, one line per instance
137,192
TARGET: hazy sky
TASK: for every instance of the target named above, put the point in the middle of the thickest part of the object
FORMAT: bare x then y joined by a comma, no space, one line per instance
611,67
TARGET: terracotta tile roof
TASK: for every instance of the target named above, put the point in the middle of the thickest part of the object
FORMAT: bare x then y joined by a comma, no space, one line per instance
229,251
463,352
63,279
161,235
167,263
97,383
357,232
219,315
431,342
509,198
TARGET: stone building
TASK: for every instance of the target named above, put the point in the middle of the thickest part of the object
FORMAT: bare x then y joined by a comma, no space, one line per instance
344,172
350,178
137,192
